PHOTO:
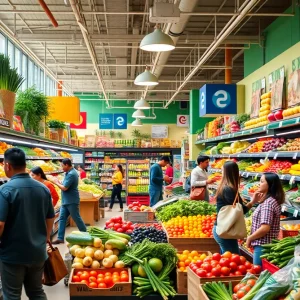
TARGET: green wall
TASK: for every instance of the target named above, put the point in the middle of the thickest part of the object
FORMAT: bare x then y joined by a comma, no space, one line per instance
95,107
282,34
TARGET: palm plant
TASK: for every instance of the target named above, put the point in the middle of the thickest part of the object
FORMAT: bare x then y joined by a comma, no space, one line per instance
9,78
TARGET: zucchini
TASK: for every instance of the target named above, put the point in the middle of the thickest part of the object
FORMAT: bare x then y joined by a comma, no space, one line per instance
115,244
122,235
81,239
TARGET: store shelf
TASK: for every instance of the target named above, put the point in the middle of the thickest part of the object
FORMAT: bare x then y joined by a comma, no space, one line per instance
40,157
273,154
54,172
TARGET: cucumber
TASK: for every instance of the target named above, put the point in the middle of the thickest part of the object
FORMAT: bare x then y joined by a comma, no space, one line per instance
115,244
80,239
122,235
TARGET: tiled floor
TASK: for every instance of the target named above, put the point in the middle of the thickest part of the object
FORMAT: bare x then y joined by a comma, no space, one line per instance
60,291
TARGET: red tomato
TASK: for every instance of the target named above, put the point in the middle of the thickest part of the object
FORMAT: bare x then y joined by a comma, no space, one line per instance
242,269
129,231
94,273
120,230
209,275
84,281
102,285
216,271
237,273
100,280
240,294
136,208
84,276
207,267
92,279
199,263
217,256
207,259
79,273
243,259
201,273
233,266
224,262
124,227
227,254
129,223
117,226
130,206
237,288
225,271
93,285
236,259
110,225
256,269
214,263
248,265
251,282
247,288
124,278
75,278
108,280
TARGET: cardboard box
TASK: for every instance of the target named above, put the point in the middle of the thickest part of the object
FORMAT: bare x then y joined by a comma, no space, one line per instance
118,289
139,216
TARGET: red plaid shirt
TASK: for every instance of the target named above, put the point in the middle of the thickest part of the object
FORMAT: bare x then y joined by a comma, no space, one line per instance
266,213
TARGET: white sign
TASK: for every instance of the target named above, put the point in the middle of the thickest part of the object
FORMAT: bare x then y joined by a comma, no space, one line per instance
183,120
159,131
77,158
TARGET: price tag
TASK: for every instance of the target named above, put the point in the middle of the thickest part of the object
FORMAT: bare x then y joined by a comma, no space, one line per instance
243,174
295,214
280,124
295,155
292,180
267,156
275,156
297,120
251,130
247,175
283,208
282,177
264,128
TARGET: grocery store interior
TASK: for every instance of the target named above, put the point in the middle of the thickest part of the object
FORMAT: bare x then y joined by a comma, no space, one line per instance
127,82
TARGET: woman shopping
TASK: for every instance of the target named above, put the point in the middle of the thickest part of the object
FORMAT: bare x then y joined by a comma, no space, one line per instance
38,174
226,194
266,217
199,176
117,180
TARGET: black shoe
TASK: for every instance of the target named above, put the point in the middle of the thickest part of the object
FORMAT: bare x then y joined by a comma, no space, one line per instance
58,242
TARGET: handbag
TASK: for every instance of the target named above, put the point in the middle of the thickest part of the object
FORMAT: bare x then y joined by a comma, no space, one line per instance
55,268
197,193
231,222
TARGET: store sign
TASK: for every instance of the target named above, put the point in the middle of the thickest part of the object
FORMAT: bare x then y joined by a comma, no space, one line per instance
106,121
82,122
77,158
277,89
120,121
183,120
218,99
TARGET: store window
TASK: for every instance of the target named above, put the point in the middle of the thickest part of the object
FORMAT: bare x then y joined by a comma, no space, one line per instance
18,60
2,44
30,73
24,72
11,53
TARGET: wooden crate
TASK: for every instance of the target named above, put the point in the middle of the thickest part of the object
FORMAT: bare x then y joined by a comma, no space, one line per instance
118,289
139,216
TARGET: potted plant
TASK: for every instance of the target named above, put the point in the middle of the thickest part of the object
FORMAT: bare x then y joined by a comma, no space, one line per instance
58,126
10,82
32,107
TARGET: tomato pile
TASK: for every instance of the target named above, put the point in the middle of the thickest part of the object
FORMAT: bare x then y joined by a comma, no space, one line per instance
117,224
241,289
227,264
186,258
101,279
192,226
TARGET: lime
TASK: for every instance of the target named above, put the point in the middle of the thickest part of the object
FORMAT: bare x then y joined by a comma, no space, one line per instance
155,264
135,268
141,272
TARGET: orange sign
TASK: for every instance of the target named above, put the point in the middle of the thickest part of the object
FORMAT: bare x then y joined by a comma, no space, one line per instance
82,123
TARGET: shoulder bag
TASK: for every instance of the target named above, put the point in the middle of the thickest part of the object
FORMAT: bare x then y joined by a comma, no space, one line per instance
197,193
55,268
231,221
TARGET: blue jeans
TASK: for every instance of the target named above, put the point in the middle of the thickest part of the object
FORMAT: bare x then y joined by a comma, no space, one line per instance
257,254
155,196
226,244
65,212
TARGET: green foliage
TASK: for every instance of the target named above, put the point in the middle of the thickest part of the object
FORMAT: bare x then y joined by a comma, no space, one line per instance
32,107
56,124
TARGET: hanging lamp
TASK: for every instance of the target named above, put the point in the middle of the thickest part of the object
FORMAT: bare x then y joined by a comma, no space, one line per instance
138,114
141,104
146,78
137,122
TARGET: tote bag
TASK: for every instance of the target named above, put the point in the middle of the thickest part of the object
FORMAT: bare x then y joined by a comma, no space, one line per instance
198,193
55,268
231,222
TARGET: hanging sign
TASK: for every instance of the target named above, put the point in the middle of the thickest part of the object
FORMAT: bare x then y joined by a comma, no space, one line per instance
294,84
218,99
183,120
120,121
277,89
106,121
82,122
159,131
258,88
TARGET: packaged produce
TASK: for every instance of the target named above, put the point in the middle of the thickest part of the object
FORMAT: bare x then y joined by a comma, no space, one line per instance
244,287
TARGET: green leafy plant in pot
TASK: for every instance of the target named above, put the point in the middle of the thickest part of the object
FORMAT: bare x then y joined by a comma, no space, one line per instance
32,107
10,82
58,126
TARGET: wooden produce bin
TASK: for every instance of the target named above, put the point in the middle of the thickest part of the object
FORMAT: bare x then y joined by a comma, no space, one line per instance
120,289
139,216
89,209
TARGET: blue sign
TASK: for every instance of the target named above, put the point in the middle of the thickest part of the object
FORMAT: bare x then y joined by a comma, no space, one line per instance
120,121
218,99
105,121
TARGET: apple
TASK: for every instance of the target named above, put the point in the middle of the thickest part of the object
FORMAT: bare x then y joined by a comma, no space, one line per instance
278,115
271,117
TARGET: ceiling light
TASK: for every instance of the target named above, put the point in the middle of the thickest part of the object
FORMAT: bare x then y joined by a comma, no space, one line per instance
146,78
137,122
138,114
142,104
157,41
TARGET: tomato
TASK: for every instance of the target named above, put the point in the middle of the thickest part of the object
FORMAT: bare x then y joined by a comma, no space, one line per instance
129,231
251,282
84,281
108,280
93,285
233,266
224,262
75,278
247,288
193,267
237,288
217,256
207,267
248,265
100,280
124,278
243,259
94,273
120,230
237,273
117,226
227,254
240,294
124,227
92,279
209,275
207,259
111,225
225,271
236,259
216,271
214,263
79,273
123,272
199,263
242,269
100,275
201,273
107,274
256,269
84,276
116,279
102,285
130,206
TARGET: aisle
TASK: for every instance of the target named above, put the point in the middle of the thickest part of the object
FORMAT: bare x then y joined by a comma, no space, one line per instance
60,291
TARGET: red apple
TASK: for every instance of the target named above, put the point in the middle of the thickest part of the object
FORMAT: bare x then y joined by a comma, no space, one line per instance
271,117
278,115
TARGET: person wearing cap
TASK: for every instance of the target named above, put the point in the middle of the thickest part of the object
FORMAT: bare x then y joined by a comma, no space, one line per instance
157,180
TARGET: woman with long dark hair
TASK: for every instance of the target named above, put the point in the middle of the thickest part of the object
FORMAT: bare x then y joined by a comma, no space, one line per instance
266,217
117,180
226,193
38,174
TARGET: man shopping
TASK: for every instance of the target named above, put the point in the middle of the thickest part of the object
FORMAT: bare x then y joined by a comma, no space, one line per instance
69,200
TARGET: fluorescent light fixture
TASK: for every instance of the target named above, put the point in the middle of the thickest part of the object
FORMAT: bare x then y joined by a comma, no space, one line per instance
137,122
284,133
138,114
146,78
141,104
157,41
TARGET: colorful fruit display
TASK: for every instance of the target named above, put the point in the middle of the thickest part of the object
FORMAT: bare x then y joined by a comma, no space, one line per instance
188,257
290,112
267,144
119,225
137,206
219,163
295,227
235,147
290,145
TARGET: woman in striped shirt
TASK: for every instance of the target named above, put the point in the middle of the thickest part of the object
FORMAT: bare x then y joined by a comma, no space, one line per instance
266,217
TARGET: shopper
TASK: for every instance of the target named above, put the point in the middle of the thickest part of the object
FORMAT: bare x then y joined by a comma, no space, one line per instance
82,173
169,173
225,195
199,176
117,180
69,200
266,217
38,174
157,180
26,222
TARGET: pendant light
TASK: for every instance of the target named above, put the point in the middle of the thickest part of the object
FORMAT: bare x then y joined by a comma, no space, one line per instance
146,78
141,104
157,41
137,122
138,114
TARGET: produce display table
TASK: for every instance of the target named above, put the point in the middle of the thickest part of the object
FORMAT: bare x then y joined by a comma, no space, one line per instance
151,297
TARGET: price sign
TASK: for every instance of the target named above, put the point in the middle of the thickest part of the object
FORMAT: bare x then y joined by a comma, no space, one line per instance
275,156
292,180
283,208
282,177
247,175
295,155
267,156
280,124
251,130
256,175
295,214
